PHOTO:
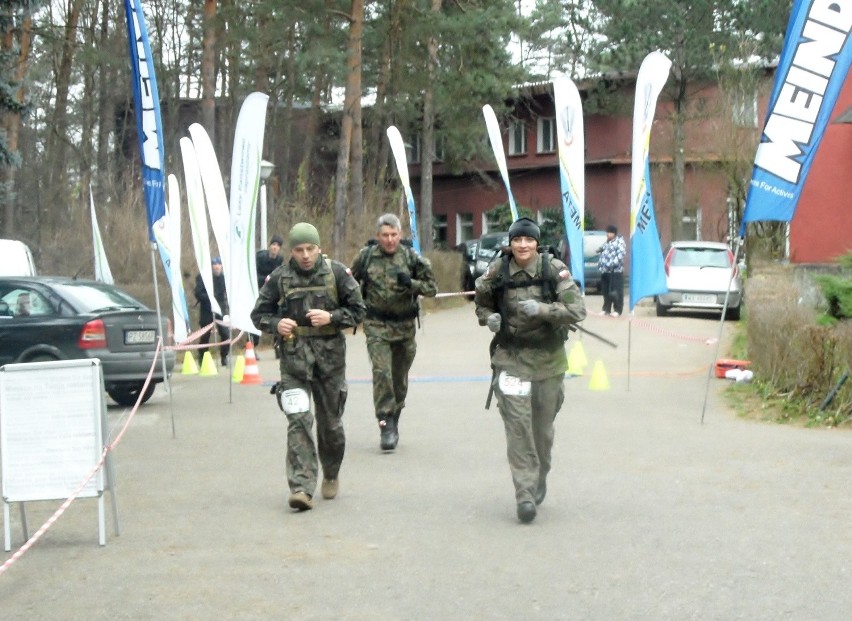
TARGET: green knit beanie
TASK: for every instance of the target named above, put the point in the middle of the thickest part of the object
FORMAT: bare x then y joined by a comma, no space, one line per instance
303,233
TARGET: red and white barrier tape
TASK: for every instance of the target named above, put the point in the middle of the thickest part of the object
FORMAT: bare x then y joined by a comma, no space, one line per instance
711,340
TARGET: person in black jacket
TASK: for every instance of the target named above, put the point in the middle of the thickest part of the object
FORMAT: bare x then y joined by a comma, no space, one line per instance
206,314
266,262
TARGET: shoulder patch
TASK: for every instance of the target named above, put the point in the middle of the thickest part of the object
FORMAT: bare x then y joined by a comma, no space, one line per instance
564,274
348,271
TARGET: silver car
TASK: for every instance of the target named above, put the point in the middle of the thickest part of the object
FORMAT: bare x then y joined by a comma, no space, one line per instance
697,276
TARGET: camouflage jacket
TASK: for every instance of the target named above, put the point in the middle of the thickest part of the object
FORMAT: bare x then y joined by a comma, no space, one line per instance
530,347
291,293
392,307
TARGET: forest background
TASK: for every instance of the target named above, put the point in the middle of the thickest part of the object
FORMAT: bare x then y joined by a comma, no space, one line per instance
426,66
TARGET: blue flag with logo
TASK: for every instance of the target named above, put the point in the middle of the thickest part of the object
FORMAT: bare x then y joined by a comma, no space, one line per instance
814,64
647,273
149,126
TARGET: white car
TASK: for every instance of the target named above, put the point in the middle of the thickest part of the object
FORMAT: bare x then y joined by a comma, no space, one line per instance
697,276
16,259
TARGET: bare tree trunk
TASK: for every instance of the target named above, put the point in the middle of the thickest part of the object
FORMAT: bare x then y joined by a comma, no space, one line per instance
208,70
12,119
428,150
350,99
57,138
105,99
678,173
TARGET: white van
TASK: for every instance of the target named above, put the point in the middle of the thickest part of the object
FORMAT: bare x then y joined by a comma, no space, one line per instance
16,259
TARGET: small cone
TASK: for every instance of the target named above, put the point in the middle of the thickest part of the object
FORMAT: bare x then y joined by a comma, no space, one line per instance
239,369
208,367
190,367
251,374
599,379
577,359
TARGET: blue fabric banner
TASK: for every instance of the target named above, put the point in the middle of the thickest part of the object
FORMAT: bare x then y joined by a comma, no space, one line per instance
814,65
647,269
149,126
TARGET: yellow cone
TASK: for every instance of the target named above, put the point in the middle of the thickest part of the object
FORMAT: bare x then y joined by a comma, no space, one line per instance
577,359
239,369
599,379
190,367
208,367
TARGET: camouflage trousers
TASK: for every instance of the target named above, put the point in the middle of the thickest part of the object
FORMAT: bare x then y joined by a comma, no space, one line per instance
391,362
528,421
328,396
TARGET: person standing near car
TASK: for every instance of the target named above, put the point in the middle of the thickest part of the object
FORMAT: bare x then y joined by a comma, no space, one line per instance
206,315
306,303
529,301
611,265
266,261
392,276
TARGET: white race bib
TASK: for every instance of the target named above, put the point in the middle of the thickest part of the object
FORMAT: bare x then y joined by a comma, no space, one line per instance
513,386
294,401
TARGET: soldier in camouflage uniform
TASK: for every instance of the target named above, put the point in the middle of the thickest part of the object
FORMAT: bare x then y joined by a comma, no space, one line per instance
528,300
306,302
392,275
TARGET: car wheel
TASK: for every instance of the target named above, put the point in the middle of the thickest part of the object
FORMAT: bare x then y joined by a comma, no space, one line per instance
42,358
127,394
662,311
734,314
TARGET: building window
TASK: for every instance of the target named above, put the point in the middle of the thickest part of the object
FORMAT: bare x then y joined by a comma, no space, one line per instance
439,230
412,150
546,135
490,222
745,109
464,227
518,138
414,153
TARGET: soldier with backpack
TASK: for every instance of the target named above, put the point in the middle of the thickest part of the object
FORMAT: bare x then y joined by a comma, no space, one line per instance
529,300
306,303
392,276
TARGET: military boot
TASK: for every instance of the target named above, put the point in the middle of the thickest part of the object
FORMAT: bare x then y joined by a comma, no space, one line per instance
526,511
389,434
540,490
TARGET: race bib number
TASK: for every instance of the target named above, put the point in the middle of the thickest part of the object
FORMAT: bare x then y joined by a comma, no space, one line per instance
513,386
294,401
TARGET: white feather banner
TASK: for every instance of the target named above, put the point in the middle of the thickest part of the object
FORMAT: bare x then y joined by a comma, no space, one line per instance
245,181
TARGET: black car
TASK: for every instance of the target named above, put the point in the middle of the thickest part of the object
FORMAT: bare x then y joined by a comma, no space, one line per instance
55,318
468,252
487,249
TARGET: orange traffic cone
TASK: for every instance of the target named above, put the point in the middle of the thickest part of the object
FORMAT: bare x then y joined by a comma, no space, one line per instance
251,374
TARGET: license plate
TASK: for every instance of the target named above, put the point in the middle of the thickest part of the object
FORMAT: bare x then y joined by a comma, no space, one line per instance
139,337
699,298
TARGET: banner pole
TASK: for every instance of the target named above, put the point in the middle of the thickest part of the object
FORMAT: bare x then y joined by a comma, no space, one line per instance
162,339
721,326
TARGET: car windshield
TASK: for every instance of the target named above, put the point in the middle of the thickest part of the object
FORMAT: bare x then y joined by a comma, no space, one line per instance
701,257
94,297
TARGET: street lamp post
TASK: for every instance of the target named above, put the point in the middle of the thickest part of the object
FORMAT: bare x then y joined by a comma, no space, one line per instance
266,169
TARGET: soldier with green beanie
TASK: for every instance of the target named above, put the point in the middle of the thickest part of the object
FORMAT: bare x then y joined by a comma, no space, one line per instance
305,303
528,300
392,276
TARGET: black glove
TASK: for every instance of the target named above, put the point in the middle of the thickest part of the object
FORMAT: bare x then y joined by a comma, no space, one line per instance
403,279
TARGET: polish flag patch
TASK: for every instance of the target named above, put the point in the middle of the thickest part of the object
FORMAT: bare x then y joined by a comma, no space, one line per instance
564,274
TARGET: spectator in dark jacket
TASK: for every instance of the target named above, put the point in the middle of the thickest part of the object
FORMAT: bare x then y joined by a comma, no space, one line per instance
266,261
206,314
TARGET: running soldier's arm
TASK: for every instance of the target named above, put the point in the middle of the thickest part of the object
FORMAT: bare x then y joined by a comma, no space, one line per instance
569,306
264,315
484,296
352,309
423,279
